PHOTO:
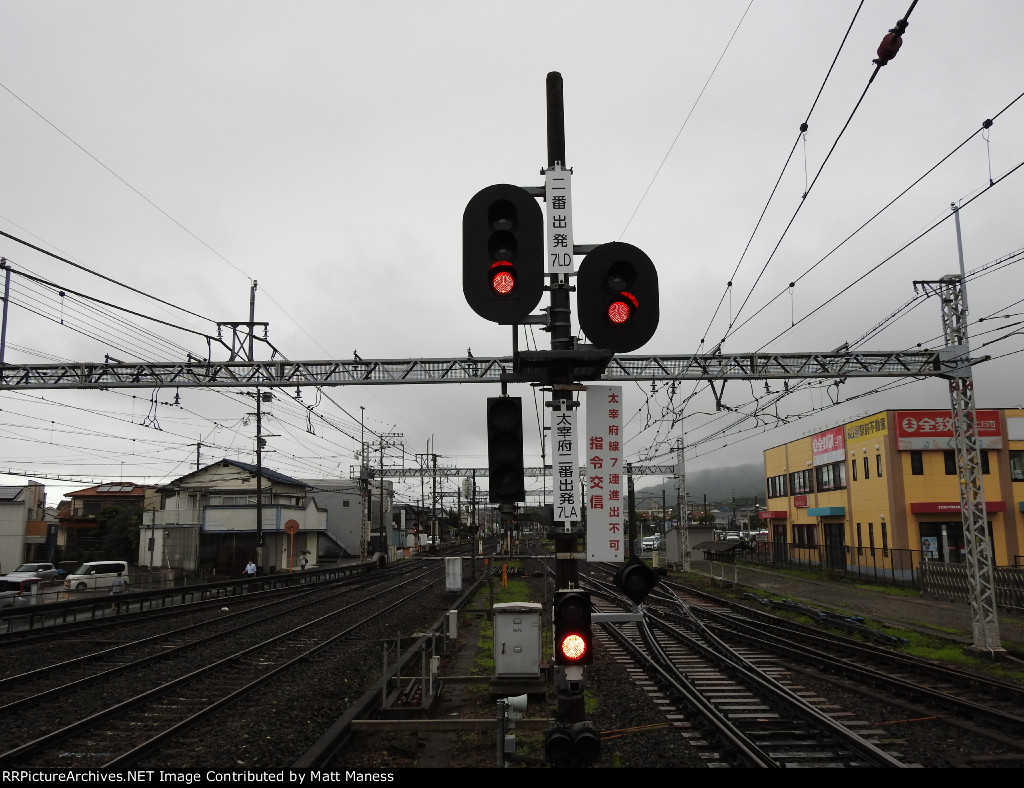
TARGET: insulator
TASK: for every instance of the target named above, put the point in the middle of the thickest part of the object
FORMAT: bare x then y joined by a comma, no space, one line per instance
887,50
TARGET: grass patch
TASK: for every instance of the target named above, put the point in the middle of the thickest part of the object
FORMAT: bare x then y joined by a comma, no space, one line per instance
901,591
934,647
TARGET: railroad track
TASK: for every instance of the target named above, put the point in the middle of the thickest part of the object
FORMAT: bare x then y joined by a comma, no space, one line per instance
984,701
136,698
846,658
739,707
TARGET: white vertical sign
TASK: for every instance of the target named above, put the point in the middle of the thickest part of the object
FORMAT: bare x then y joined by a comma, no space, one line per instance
557,189
606,513
565,468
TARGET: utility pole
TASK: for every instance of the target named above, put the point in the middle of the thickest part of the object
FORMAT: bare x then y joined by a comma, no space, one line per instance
384,443
259,473
684,524
364,485
664,518
7,299
433,501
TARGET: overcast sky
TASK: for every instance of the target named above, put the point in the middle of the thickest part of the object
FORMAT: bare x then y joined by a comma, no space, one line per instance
326,151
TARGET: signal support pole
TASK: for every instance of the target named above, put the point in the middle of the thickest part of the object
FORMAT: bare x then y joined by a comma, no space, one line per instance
569,688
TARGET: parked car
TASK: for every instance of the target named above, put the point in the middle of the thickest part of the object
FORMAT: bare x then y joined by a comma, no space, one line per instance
650,543
95,574
47,572
11,588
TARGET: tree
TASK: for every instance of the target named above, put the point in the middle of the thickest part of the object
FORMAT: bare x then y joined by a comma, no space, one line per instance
117,529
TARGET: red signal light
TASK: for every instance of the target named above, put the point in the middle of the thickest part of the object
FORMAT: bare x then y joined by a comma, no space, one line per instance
573,647
503,277
618,312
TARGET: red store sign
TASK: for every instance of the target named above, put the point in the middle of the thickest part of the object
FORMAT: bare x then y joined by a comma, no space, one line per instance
933,429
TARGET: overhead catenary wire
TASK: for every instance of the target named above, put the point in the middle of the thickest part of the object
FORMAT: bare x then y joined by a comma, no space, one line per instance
696,101
916,182
803,197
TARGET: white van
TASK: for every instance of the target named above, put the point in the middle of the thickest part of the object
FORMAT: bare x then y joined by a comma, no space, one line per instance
95,574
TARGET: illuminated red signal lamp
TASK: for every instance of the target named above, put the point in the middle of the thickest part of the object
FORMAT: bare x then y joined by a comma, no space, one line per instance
621,309
573,648
503,278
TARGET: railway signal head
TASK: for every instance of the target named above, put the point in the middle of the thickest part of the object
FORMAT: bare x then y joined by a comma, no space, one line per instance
636,580
503,253
572,745
574,638
617,289
505,469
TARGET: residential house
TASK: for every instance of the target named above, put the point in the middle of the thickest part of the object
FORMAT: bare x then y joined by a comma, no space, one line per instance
78,519
346,514
228,513
25,534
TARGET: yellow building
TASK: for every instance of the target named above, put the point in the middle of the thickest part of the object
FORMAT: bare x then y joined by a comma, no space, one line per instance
884,491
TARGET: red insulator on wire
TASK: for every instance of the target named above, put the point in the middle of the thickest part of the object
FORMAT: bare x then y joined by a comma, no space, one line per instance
887,50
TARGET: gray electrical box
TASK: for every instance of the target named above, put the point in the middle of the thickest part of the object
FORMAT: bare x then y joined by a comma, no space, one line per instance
517,639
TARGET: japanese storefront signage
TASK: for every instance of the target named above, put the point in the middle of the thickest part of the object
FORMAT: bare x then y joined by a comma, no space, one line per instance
566,468
933,429
871,427
828,447
606,510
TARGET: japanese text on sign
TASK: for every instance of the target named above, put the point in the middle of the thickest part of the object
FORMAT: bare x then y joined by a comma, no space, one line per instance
559,220
603,474
565,469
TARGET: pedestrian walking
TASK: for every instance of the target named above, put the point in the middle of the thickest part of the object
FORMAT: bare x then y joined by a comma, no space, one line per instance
250,570
302,562
118,586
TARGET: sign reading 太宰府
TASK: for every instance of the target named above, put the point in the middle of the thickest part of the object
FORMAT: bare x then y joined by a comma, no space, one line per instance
565,469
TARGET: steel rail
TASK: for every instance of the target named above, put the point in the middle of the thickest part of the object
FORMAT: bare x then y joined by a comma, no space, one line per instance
29,748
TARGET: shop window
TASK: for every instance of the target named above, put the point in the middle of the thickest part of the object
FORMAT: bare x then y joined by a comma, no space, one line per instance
1017,466
949,460
805,535
831,476
801,482
916,463
777,486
